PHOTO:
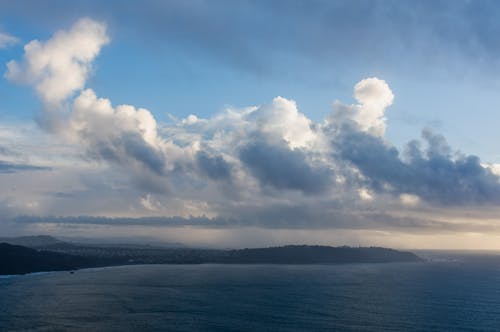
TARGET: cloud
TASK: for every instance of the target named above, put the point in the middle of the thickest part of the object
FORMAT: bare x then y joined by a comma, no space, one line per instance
409,200
295,218
282,119
7,40
434,174
122,135
215,167
8,167
265,165
60,66
149,203
374,96
279,166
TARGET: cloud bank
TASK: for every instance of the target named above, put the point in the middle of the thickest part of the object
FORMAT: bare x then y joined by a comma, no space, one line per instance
267,165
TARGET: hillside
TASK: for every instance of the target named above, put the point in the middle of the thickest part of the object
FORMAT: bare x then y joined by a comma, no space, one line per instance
35,242
64,256
18,260
303,254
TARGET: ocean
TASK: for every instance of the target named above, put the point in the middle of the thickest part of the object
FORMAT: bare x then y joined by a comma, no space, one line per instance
456,293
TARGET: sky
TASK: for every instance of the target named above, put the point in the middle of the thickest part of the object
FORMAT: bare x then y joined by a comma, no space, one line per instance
252,123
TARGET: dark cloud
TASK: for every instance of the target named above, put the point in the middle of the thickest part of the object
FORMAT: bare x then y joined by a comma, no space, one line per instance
144,221
128,148
215,167
61,194
7,167
8,152
283,168
277,217
135,147
434,174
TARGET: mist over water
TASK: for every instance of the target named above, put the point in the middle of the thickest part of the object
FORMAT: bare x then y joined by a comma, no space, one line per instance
453,293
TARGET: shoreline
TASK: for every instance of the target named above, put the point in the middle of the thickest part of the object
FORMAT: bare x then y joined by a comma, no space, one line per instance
97,268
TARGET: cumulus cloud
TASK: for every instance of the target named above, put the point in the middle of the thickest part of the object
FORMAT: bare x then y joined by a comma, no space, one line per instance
282,119
122,134
374,96
434,174
215,167
261,165
283,168
60,66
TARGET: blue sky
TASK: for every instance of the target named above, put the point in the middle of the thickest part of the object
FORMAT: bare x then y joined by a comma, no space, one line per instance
214,59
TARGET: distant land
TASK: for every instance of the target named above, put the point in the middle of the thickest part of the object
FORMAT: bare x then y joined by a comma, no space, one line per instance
38,241
16,259
45,253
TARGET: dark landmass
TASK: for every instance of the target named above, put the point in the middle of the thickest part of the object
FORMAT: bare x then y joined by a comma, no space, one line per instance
53,255
303,254
19,260
133,242
46,241
35,242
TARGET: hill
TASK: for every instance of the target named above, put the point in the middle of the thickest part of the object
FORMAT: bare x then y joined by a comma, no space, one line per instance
304,254
38,241
57,255
18,260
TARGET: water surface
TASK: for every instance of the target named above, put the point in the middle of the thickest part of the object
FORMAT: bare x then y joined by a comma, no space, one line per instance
445,295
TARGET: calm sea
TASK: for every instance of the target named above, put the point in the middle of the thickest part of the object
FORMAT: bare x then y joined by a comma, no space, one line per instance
449,294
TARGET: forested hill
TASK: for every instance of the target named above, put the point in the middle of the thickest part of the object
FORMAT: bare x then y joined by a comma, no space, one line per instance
19,260
303,254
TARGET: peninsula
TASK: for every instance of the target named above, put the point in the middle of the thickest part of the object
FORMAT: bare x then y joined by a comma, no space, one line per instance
50,254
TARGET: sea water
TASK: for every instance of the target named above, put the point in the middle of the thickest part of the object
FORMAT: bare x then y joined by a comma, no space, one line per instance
437,295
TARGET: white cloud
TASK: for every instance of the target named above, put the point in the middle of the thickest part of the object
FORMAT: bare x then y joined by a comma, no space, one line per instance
190,120
266,164
61,65
374,96
149,203
7,40
409,199
365,194
59,68
95,119
492,167
282,119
